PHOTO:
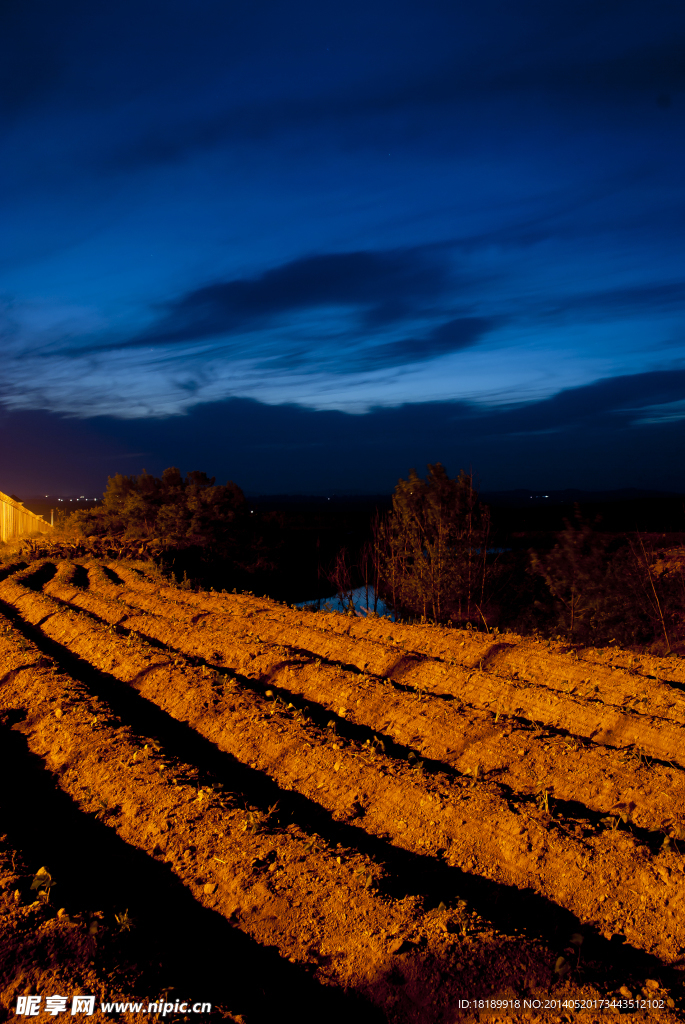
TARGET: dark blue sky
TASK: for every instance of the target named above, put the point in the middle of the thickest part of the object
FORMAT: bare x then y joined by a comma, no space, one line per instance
308,245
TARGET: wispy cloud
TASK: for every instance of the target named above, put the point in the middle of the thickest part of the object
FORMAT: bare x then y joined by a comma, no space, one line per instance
445,339
382,286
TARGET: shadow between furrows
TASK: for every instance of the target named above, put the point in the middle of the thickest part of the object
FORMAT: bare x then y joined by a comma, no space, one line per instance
407,873
199,953
366,732
111,575
9,570
408,661
325,719
41,574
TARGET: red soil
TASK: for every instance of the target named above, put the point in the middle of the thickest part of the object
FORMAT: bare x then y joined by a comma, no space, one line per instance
379,820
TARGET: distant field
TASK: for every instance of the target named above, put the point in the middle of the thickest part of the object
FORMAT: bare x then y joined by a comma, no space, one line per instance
375,820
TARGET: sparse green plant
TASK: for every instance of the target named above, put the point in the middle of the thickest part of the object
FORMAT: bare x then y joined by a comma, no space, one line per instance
103,810
43,883
125,921
542,798
259,821
271,811
364,875
253,823
623,811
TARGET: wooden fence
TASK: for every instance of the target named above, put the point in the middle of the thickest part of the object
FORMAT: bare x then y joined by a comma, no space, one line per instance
16,521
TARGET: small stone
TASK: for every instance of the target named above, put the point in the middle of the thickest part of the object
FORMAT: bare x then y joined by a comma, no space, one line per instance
625,992
210,888
651,983
58,712
398,946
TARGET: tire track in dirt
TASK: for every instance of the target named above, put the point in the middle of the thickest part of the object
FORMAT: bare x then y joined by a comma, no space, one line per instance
492,833
592,780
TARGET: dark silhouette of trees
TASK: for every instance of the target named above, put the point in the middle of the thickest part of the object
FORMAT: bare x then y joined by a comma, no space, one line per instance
605,587
577,573
431,550
171,512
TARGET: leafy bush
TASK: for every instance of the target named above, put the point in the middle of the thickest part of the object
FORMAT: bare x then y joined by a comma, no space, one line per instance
203,532
602,587
171,512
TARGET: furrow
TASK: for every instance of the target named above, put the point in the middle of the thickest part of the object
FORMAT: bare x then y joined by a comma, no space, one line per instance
232,860
526,760
614,670
612,708
139,802
473,827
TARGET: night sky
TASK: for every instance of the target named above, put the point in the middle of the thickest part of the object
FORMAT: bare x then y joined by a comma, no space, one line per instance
306,246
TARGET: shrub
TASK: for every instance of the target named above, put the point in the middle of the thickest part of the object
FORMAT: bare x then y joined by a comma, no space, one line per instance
432,548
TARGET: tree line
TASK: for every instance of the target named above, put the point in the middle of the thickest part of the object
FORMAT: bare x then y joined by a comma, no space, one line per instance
429,558
201,530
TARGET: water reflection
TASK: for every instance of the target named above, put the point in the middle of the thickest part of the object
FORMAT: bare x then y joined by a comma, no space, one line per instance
362,600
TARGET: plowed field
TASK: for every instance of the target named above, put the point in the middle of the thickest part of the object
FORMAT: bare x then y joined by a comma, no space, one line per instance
297,815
